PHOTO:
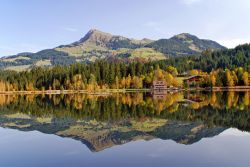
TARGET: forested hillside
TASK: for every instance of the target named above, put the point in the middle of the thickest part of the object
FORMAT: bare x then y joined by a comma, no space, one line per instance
97,45
223,68
183,45
209,60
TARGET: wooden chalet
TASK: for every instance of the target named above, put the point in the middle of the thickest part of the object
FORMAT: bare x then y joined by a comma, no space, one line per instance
159,85
194,80
159,89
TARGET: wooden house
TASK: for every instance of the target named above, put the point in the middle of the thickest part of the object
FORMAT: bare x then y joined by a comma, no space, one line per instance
159,85
194,80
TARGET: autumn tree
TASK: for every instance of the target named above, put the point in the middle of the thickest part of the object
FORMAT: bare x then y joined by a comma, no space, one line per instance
77,82
56,84
137,82
229,78
169,79
172,70
245,78
128,81
117,82
158,74
193,72
213,79
123,82
91,83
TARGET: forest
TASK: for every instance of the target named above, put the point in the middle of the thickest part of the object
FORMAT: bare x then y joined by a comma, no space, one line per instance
221,68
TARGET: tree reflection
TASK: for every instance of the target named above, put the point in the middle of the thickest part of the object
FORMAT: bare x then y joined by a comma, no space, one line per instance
224,109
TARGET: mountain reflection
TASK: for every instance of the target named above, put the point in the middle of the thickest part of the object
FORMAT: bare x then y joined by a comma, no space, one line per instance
101,122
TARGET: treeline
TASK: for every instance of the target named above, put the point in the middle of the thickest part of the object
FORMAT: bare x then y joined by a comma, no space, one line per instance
222,78
91,77
225,109
228,78
119,75
210,60
102,75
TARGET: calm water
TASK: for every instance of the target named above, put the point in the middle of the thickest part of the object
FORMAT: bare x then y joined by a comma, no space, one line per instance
136,129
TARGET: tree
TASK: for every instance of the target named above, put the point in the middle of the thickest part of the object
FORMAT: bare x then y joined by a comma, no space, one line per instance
245,78
158,74
148,80
229,78
128,81
172,70
137,82
77,82
240,72
92,79
169,79
117,82
123,82
235,78
213,79
92,83
56,84
193,72
29,87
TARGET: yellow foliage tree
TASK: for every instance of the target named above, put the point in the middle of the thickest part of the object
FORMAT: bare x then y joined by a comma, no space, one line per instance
193,72
245,77
213,79
77,82
230,79
123,82
169,79
172,70
137,82
117,82
158,74
128,81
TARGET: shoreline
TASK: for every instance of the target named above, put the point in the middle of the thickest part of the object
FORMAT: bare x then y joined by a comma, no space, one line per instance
100,92
109,91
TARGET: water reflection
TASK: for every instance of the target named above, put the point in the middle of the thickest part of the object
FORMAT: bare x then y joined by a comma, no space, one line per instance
102,122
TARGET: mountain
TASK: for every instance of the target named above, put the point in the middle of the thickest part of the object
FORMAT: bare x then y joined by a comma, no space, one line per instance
184,44
100,45
98,136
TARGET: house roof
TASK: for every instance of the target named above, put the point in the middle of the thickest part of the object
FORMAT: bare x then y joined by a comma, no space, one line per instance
194,76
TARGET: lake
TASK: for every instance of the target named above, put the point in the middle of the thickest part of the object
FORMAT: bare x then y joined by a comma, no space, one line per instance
125,129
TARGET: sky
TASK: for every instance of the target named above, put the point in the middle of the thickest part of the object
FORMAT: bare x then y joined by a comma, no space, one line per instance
33,25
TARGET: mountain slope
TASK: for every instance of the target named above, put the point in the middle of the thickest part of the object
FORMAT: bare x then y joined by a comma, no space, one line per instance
100,45
184,44
96,40
98,136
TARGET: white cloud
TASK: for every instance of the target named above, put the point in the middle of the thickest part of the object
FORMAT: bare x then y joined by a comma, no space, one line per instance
231,43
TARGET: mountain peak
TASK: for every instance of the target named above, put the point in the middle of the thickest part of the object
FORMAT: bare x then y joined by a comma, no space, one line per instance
101,45
94,35
93,30
184,36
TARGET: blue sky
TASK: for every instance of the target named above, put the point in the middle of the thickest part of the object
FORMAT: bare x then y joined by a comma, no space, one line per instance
33,25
